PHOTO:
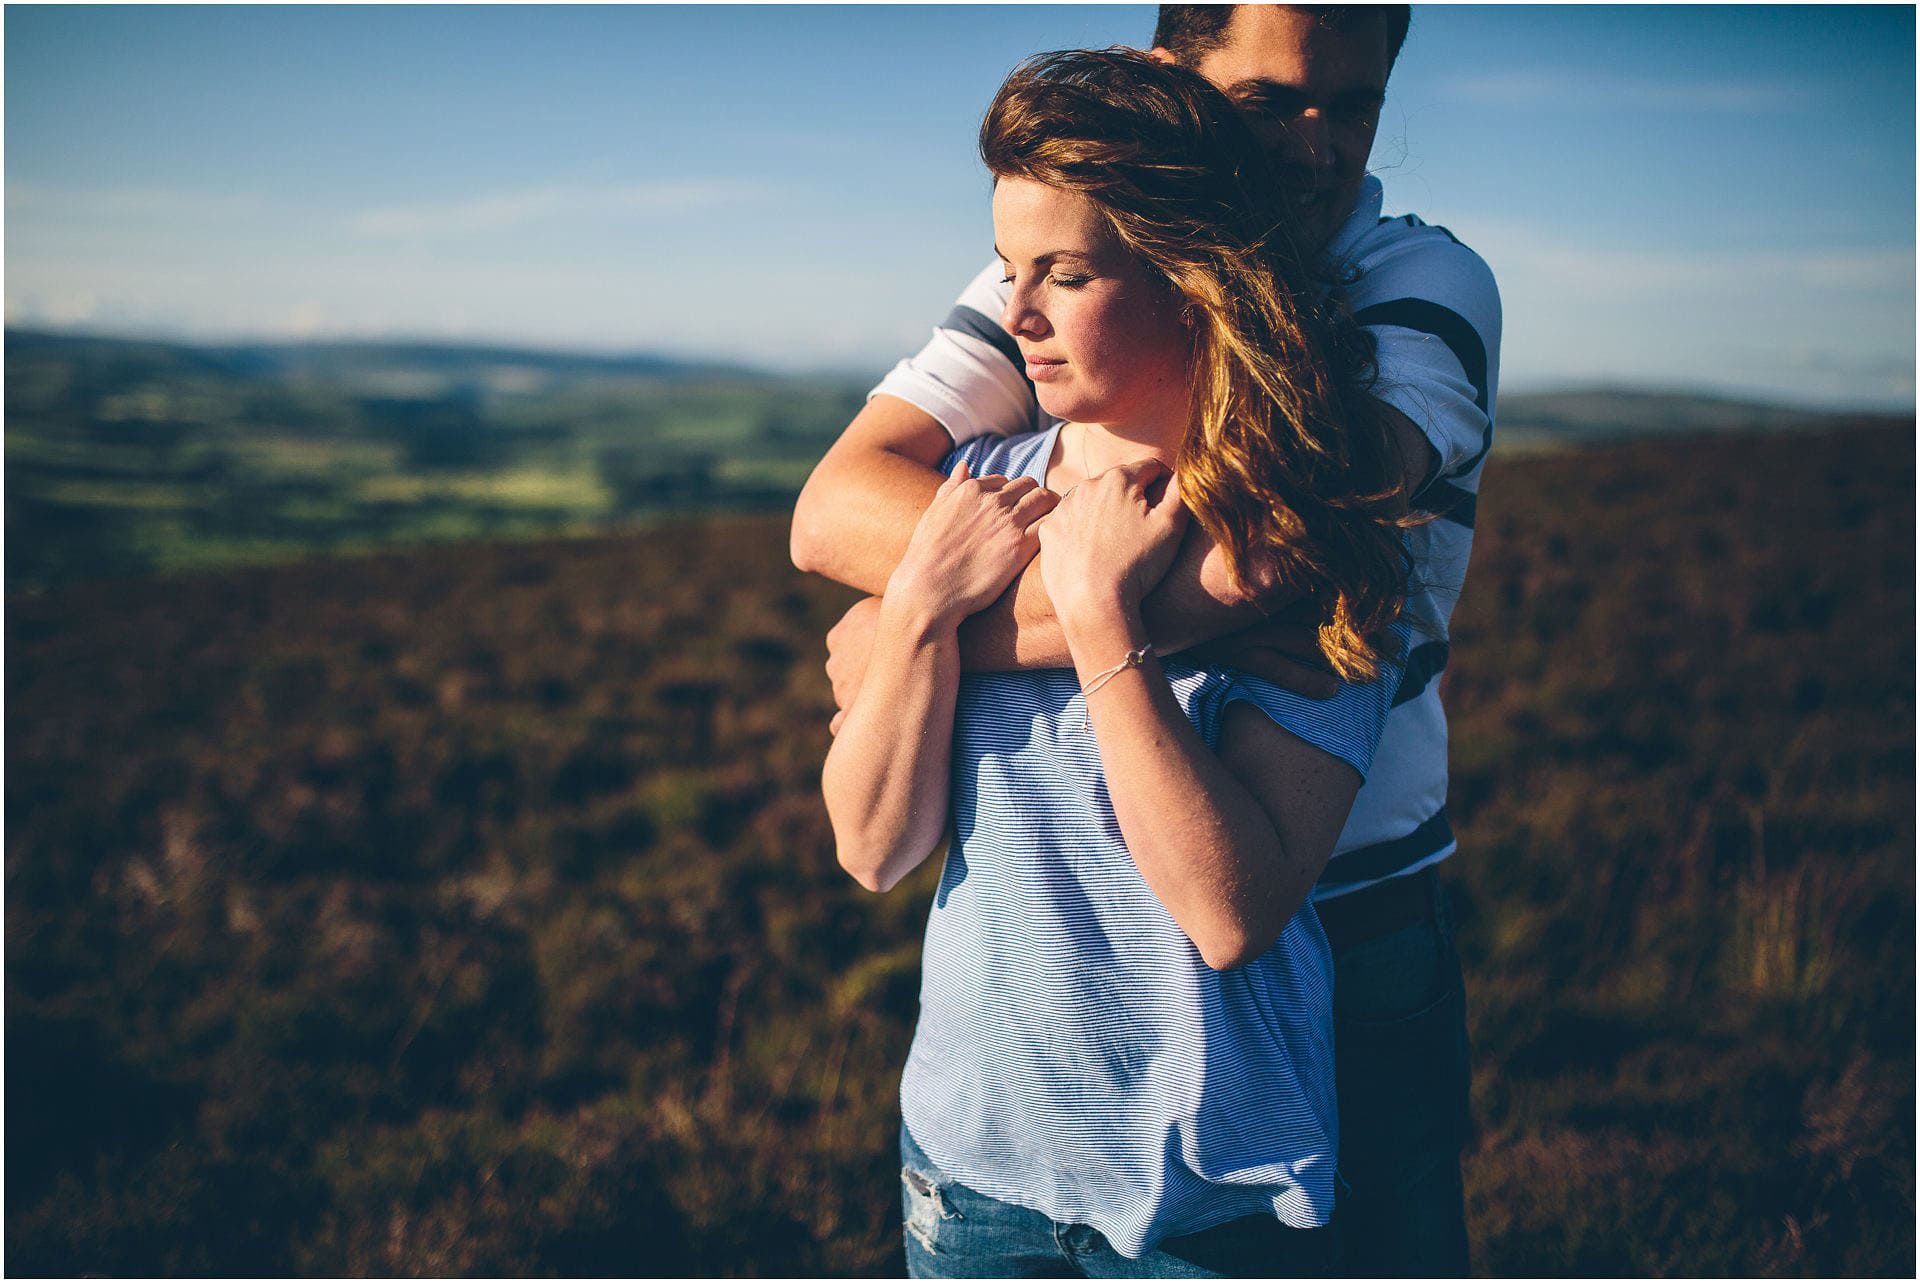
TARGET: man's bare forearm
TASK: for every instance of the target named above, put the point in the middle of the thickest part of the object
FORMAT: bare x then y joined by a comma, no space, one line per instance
1193,604
858,509
1196,602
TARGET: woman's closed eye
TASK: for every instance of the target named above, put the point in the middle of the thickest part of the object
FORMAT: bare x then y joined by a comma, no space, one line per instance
1064,282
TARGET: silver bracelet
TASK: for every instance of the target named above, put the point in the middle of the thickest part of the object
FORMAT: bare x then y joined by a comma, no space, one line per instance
1134,659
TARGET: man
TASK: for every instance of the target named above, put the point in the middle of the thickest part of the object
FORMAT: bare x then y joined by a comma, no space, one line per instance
1313,81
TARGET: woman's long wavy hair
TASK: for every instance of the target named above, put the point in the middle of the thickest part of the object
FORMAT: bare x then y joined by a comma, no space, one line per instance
1287,462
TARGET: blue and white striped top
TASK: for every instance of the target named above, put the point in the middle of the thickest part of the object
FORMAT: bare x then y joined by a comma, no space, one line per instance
1434,312
1074,1054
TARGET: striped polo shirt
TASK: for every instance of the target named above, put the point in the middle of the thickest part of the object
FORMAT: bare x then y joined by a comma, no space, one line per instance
1434,311
1074,1054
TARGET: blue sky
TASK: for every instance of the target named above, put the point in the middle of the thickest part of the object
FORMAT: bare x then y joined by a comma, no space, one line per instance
1714,197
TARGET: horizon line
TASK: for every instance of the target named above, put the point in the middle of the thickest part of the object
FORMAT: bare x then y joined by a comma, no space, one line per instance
1529,388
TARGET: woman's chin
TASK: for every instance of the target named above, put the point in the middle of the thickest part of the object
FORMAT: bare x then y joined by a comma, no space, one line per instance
1064,404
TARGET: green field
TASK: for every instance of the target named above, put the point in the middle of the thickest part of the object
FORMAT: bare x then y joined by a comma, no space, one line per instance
127,458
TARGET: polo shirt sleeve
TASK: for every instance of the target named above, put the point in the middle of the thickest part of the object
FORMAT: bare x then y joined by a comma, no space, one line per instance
969,376
1434,311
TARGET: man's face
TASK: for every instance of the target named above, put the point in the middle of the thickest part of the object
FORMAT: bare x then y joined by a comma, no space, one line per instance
1313,93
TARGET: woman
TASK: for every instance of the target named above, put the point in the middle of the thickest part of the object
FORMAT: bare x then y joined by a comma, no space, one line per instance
1123,1062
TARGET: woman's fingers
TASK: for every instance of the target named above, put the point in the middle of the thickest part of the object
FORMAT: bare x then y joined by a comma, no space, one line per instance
1014,497
987,483
1032,504
1138,477
1170,510
1143,473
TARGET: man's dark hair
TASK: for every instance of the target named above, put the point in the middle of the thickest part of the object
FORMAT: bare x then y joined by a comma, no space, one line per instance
1191,31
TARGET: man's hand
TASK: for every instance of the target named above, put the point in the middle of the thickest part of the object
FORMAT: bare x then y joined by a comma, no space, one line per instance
1284,650
857,514
849,646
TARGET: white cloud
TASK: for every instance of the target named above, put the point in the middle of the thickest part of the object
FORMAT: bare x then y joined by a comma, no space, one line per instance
500,211
1820,325
1583,271
306,321
1580,91
692,307
57,308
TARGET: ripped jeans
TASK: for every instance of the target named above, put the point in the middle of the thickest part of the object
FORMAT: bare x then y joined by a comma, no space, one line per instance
1401,1058
954,1232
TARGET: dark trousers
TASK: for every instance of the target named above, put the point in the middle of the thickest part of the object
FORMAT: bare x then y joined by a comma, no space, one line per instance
1401,1063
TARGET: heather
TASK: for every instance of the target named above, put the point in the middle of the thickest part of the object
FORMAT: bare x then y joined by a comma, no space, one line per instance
471,909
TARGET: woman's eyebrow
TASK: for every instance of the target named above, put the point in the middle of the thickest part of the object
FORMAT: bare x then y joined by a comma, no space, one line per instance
1052,255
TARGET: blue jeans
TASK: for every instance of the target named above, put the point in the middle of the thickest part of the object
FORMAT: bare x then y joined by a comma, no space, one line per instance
1401,1064
958,1233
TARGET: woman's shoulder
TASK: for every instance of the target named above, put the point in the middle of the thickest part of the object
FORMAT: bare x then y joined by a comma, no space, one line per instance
1348,725
1022,455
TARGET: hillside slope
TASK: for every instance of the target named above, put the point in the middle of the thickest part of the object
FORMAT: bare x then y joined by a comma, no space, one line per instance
473,911
125,457
1603,415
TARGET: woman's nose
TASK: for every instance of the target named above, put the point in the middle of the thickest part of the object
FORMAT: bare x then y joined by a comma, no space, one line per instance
1021,317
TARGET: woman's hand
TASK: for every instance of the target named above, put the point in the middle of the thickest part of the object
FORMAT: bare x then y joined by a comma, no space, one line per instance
1112,539
970,543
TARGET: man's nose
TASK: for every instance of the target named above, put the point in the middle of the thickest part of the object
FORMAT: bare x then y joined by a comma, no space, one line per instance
1310,140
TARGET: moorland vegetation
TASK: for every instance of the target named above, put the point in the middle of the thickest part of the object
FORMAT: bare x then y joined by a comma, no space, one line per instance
472,910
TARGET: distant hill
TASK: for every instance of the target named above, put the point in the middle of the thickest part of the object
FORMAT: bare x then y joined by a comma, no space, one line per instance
1570,416
430,368
126,456
1589,416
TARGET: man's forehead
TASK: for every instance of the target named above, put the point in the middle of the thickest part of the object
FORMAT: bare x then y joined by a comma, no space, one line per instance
1282,45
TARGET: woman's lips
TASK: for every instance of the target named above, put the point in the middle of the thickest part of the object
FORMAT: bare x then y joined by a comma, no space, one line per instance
1040,368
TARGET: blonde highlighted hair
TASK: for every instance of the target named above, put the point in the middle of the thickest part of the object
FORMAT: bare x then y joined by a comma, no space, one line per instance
1288,462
